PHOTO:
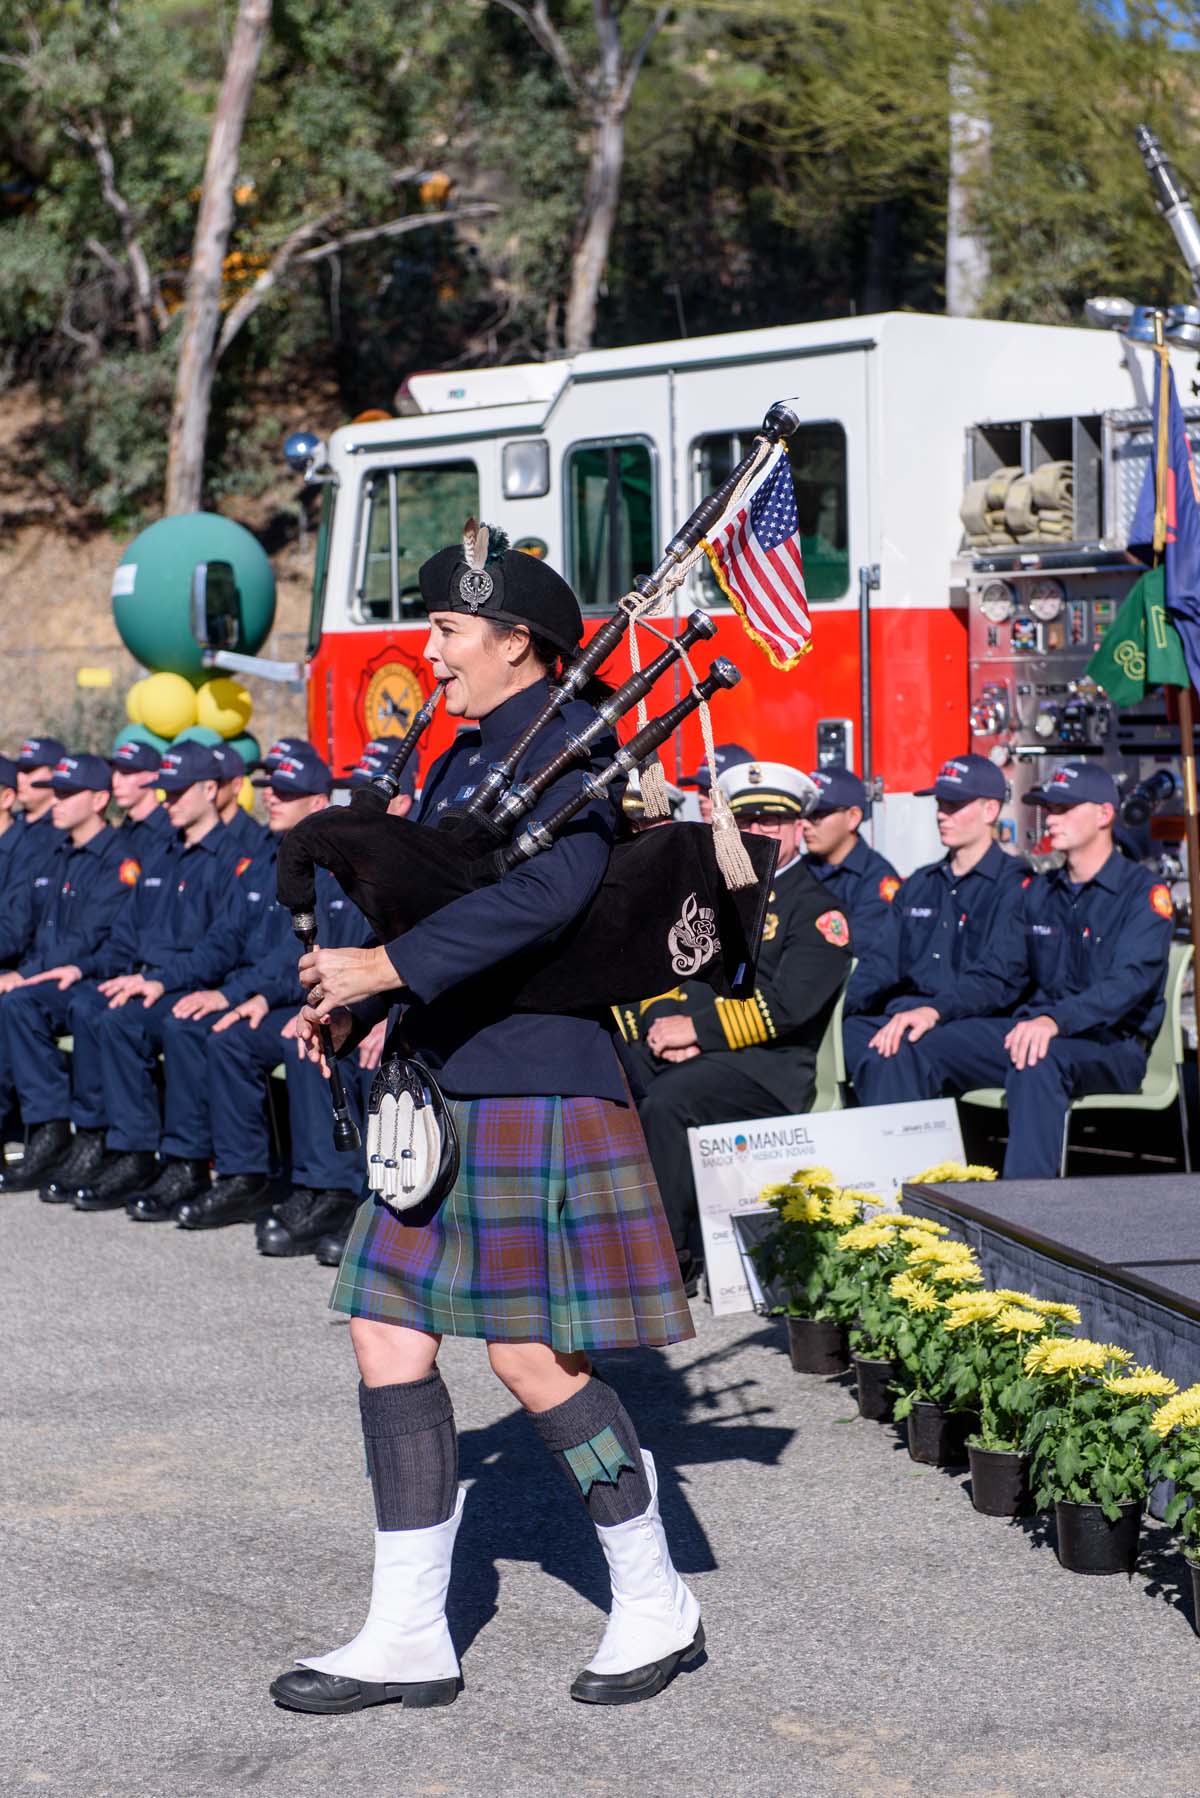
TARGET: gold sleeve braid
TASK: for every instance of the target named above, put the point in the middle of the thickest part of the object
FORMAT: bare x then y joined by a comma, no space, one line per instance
627,1022
745,1022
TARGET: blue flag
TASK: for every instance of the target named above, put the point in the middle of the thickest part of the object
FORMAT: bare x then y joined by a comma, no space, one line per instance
1182,553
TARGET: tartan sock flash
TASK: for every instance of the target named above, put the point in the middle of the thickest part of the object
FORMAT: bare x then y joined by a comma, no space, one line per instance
592,1438
412,1452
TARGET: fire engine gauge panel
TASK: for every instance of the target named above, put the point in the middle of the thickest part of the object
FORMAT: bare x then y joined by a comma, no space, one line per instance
1045,599
997,602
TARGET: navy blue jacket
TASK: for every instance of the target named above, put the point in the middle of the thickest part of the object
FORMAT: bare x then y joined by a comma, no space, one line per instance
186,920
270,952
27,886
148,839
1092,957
863,887
938,925
88,893
444,959
246,833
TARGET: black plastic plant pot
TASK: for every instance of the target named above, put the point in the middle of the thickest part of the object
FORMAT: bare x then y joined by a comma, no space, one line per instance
936,1437
1089,1543
817,1345
1194,1570
999,1486
875,1395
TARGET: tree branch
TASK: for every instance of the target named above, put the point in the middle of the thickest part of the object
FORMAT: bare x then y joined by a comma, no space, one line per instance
147,302
634,66
249,302
540,25
412,221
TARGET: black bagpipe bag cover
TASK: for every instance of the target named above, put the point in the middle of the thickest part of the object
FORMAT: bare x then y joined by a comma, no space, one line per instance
662,913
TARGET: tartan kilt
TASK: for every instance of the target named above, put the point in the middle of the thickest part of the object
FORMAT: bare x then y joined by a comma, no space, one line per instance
554,1232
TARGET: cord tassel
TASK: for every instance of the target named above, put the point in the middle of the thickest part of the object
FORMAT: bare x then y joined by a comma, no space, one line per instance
653,790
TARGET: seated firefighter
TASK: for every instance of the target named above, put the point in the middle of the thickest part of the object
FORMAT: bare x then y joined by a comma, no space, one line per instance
936,929
1077,967
693,1058
856,877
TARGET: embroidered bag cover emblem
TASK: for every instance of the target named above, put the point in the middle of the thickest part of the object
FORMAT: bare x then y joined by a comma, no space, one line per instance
692,938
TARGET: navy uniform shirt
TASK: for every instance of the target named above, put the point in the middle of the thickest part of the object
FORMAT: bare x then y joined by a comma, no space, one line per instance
88,892
1091,956
146,840
938,925
805,954
185,922
862,886
473,1043
27,886
246,834
270,952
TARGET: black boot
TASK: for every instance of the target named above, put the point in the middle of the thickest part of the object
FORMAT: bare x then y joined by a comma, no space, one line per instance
48,1144
297,1225
234,1200
81,1164
178,1181
121,1172
331,1248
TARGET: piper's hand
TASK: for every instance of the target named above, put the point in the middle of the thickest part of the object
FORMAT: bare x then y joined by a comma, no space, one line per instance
911,1024
333,978
1028,1041
676,1031
308,1033
253,1010
370,1050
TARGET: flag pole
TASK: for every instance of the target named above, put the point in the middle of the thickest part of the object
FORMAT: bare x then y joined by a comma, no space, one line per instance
1187,722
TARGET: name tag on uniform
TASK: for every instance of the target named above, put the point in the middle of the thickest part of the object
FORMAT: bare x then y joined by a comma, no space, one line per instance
1043,929
152,880
918,911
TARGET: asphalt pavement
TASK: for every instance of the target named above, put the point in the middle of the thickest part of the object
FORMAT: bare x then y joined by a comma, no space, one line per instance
185,1512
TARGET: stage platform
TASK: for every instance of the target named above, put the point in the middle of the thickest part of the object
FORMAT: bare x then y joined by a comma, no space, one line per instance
1125,1250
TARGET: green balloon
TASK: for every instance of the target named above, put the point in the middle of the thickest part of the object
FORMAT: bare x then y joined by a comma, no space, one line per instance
137,733
152,590
247,747
198,733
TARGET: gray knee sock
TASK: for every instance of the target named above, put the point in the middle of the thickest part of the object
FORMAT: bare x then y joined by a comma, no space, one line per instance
593,1440
412,1452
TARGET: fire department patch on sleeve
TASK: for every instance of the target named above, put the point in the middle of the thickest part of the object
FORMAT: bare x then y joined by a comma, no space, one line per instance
1160,901
834,928
243,863
129,872
889,886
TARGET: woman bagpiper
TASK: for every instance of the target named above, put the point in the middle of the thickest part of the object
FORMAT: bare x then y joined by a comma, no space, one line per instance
552,1242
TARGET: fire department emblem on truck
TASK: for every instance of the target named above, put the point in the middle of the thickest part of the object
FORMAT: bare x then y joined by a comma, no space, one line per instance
392,699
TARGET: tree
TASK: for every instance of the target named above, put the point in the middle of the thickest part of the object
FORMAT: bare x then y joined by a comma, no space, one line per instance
602,91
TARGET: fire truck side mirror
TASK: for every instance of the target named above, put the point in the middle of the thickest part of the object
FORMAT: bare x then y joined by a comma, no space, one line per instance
216,606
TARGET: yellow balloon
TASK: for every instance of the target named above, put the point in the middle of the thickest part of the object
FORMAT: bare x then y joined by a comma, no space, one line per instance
133,702
168,704
246,796
224,705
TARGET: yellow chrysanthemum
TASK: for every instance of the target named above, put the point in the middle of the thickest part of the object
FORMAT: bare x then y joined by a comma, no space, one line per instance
803,1208
914,1293
1073,1354
1182,1412
1143,1382
939,1254
841,1210
1011,1297
964,1308
921,1226
1069,1314
814,1176
1014,1320
778,1194
960,1274
942,1173
860,1196
876,1233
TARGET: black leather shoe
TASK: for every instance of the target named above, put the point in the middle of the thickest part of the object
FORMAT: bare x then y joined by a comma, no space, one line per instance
178,1181
328,1694
236,1199
331,1248
121,1172
640,1682
82,1162
297,1225
47,1145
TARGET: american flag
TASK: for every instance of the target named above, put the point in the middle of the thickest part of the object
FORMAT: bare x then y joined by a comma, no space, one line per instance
756,559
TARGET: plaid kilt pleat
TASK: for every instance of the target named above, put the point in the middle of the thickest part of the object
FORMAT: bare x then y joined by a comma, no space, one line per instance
553,1233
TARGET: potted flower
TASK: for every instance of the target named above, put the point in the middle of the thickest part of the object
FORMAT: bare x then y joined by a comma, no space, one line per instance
1090,1446
870,1254
799,1266
991,1332
1176,1427
938,1403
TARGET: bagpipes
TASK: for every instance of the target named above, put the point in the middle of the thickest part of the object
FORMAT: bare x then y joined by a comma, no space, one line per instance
684,901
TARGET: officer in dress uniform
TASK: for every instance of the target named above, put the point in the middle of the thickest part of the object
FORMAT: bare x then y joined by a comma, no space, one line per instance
856,877
26,888
184,935
88,892
937,928
552,1242
1084,950
694,1058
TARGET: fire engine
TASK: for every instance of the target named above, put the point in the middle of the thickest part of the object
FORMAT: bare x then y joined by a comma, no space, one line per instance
924,643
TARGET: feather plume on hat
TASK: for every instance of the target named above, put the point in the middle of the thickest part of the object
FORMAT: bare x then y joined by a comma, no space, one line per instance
475,544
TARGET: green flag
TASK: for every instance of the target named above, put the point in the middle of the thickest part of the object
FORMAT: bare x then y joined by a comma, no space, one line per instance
1141,649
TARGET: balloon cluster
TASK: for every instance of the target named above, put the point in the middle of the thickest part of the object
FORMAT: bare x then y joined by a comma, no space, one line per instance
152,608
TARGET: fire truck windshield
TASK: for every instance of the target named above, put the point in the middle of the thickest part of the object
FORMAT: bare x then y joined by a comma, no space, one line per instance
408,513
